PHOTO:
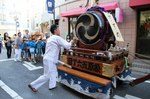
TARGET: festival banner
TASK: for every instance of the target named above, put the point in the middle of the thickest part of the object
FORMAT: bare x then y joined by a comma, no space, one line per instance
50,5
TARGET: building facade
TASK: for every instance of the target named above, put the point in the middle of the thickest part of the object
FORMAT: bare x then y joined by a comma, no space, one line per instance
6,23
135,27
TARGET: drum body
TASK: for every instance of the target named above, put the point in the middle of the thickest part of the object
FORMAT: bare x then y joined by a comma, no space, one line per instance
93,30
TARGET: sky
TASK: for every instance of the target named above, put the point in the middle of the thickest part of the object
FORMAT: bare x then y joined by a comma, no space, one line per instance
28,8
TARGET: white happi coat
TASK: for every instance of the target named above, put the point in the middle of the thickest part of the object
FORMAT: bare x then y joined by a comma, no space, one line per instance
53,46
54,43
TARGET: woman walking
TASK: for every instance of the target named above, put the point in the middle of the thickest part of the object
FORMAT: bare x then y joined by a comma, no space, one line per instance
8,44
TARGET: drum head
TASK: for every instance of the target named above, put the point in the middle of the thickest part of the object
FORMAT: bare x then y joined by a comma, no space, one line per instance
90,28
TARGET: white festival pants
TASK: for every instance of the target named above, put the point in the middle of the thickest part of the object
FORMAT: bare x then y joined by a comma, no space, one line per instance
50,74
17,54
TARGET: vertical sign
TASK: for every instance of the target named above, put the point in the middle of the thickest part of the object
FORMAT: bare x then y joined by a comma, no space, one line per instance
114,27
50,5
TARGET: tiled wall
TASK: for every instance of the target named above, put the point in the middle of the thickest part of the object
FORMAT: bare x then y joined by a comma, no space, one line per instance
129,26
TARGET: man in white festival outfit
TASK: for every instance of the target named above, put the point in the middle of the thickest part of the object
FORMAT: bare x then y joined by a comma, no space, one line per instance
53,46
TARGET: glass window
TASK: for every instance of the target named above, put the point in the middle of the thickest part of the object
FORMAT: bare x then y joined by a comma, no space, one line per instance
143,33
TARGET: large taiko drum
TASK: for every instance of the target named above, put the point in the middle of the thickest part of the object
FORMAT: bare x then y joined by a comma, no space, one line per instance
91,27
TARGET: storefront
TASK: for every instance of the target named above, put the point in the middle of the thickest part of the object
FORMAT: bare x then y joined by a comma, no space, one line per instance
143,26
143,32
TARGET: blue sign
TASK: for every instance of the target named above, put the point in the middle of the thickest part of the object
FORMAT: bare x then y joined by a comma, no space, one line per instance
50,5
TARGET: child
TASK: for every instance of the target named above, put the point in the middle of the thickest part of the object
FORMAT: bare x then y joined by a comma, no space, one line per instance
43,43
24,52
32,45
38,49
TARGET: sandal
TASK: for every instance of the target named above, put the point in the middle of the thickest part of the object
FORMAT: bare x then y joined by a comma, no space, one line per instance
33,89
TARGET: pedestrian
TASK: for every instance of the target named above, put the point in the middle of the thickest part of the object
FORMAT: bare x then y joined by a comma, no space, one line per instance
43,46
50,58
18,42
32,45
1,44
27,35
24,51
8,44
13,44
38,48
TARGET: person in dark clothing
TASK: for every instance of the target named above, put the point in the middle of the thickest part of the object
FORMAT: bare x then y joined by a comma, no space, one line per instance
43,46
8,44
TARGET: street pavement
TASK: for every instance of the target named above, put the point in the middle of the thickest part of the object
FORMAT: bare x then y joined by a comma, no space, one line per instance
15,76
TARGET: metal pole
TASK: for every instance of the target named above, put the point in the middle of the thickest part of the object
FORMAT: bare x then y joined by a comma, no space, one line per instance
54,16
54,12
16,27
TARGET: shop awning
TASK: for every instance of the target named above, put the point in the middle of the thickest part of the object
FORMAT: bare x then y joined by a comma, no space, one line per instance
78,11
139,3
73,12
109,6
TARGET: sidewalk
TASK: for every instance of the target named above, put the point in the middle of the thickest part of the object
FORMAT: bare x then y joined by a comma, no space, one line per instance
141,66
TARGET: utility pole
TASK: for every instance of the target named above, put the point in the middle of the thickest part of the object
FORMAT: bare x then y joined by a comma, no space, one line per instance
54,12
16,22
51,8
